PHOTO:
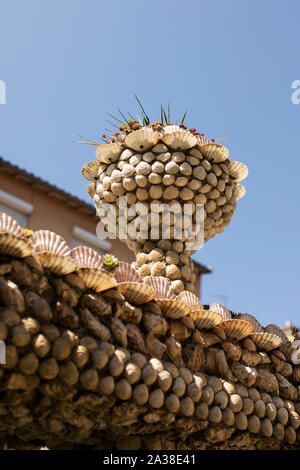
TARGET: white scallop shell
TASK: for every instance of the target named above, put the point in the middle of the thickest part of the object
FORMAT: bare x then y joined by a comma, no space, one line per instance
90,189
173,308
179,139
97,279
136,292
161,287
257,328
141,140
14,245
108,153
266,341
275,330
237,329
191,300
223,311
238,171
239,192
9,225
50,242
126,273
206,319
85,257
90,170
57,264
214,152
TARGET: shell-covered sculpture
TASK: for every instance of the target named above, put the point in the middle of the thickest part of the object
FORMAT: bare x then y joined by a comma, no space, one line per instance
161,163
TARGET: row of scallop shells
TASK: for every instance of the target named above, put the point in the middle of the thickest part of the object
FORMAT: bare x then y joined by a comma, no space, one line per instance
54,254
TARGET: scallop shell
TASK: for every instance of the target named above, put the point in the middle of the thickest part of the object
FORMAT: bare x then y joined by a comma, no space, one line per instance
97,279
90,189
238,171
266,341
206,319
136,292
161,287
57,264
223,311
179,140
275,330
257,328
90,170
85,257
239,192
52,252
12,245
108,153
214,152
9,225
142,139
191,300
126,273
237,329
173,308
46,241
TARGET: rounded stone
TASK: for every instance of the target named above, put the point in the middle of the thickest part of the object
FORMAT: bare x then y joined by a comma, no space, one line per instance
187,407
140,394
123,389
241,421
221,399
128,170
215,415
228,417
143,168
172,403
235,403
202,411
266,427
208,395
253,424
156,398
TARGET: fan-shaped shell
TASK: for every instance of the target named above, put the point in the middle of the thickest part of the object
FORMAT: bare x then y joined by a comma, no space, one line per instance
46,241
13,245
141,140
136,292
108,153
97,279
239,192
275,330
257,328
57,264
9,225
161,287
191,300
90,189
90,170
126,273
215,152
173,308
206,319
180,140
238,171
85,257
237,329
223,311
266,341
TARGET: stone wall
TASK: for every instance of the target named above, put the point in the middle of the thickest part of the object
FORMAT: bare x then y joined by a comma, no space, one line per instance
86,370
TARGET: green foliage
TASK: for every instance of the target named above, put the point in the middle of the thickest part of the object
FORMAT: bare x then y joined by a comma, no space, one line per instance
110,262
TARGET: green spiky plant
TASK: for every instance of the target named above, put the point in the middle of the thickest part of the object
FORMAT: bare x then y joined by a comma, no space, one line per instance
110,262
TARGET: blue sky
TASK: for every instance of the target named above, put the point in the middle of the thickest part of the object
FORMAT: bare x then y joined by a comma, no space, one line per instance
230,62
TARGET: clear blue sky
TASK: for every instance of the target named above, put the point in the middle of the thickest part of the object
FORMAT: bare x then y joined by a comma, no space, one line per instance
230,62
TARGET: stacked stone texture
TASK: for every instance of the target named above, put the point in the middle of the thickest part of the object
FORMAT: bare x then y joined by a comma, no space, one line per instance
85,370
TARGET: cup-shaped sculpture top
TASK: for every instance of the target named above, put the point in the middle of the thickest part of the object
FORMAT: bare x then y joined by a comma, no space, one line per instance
165,190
